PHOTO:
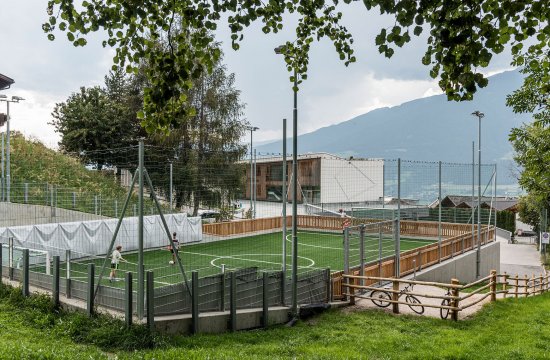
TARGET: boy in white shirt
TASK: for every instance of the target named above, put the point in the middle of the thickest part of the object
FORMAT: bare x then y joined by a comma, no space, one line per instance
116,257
175,244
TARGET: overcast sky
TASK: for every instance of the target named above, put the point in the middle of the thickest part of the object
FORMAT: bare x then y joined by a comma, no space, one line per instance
47,72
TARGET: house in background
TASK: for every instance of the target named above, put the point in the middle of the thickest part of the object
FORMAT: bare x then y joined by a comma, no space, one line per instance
499,203
322,179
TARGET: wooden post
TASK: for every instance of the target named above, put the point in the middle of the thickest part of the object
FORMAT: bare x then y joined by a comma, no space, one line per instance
533,285
517,286
395,296
351,283
526,288
493,285
455,302
505,285
540,284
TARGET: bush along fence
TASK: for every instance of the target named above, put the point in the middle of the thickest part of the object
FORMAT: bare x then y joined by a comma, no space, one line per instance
229,291
452,298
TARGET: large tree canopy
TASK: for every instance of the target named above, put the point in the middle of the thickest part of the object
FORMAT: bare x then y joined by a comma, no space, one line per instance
463,37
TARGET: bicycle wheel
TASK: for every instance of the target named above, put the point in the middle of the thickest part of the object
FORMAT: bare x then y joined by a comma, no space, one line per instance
414,304
380,298
444,312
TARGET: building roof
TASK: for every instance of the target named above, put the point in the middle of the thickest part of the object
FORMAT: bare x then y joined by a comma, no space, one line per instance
5,82
318,155
497,203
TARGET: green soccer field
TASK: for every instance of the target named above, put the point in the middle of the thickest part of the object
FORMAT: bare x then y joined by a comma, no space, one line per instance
316,250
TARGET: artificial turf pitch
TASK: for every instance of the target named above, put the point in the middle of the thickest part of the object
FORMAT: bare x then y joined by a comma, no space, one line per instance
316,250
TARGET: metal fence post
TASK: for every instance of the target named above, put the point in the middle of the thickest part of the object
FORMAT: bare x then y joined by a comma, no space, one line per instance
55,281
129,298
439,218
362,255
25,282
329,286
265,300
68,273
222,288
346,255
346,250
233,303
1,266
171,191
10,258
195,302
74,200
283,288
90,292
26,193
379,251
135,210
397,257
95,204
116,208
52,202
150,294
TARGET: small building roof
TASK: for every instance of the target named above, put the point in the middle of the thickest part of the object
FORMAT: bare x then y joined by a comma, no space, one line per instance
317,155
459,201
5,82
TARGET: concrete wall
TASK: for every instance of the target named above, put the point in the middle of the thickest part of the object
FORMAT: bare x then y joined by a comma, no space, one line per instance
463,267
12,214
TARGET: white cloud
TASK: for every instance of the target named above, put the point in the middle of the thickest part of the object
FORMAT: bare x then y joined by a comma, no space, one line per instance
32,115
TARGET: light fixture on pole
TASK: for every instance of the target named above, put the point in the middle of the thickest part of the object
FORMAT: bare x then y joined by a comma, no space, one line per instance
479,115
14,99
252,175
280,50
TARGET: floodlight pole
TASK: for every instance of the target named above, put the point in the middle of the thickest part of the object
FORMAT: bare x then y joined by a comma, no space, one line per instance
479,115
141,274
294,307
294,199
3,179
8,180
284,198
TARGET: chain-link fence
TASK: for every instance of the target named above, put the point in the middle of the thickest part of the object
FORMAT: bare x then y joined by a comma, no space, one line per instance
227,222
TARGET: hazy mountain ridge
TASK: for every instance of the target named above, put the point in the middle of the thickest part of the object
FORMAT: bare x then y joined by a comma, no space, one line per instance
426,129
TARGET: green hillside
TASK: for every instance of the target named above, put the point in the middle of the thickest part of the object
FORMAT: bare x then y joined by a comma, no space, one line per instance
42,176
32,162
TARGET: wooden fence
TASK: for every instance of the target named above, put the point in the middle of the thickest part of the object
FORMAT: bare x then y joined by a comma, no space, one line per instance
419,258
452,301
408,227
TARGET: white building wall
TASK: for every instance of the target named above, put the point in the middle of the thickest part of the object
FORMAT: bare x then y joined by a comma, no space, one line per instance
346,181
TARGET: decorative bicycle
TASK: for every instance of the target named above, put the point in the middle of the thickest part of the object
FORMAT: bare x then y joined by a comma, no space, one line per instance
382,298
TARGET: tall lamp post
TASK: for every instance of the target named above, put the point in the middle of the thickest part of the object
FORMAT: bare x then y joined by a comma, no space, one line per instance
479,115
252,174
281,50
14,99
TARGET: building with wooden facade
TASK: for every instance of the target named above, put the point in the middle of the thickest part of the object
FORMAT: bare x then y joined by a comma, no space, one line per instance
322,179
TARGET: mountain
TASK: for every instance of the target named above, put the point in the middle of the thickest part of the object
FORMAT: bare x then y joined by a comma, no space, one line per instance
427,129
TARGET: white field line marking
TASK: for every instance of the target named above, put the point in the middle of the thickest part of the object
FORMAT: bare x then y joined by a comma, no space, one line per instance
312,263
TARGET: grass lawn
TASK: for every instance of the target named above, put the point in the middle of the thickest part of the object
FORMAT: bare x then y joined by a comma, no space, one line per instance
507,329
317,250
